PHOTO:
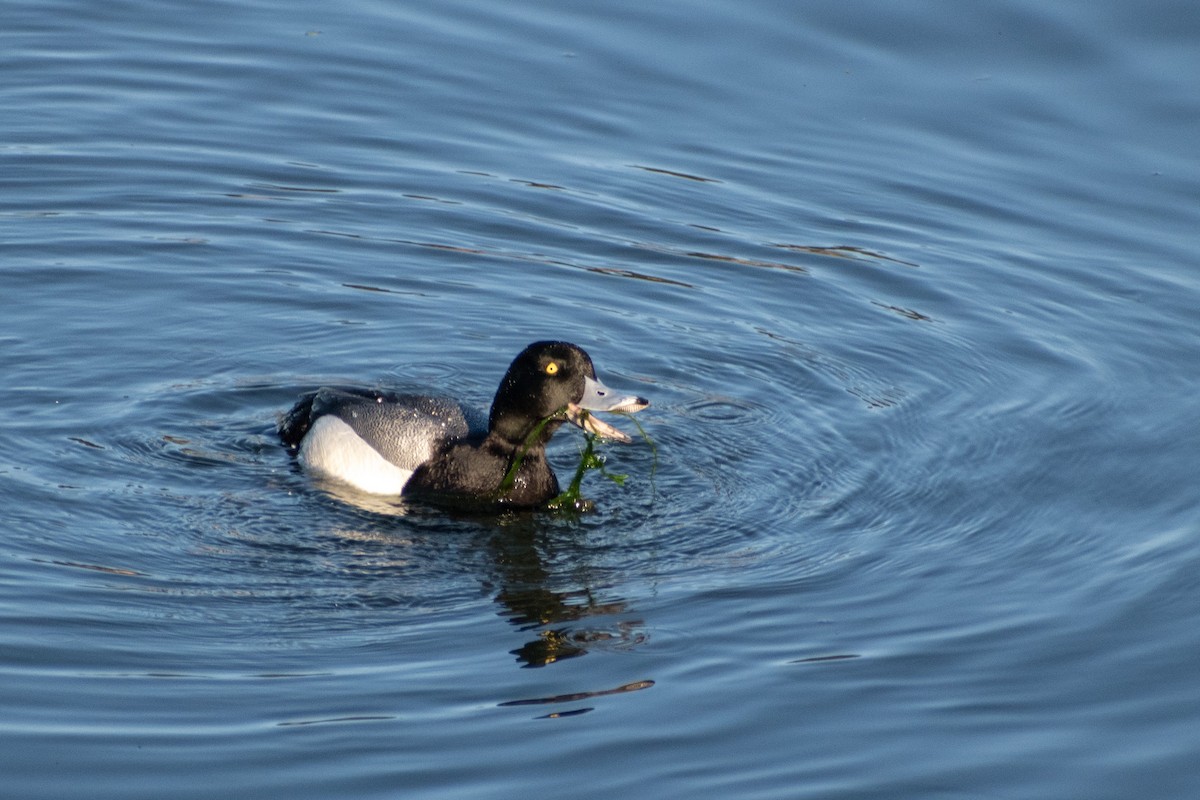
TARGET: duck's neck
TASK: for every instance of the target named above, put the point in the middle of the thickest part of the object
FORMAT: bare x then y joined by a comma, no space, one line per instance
518,432
528,479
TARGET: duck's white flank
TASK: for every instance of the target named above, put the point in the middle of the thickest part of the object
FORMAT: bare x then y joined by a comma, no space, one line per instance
332,449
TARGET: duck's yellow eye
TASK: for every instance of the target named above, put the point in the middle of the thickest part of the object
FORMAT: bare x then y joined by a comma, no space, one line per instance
552,368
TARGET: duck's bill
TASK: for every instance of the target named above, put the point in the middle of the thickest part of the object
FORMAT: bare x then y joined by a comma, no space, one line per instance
598,397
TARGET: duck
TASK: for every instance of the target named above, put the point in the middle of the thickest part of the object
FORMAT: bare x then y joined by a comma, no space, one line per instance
439,450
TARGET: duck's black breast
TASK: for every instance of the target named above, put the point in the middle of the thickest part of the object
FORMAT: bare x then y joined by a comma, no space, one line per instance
473,472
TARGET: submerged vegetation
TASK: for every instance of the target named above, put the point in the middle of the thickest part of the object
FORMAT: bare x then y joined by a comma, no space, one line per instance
571,499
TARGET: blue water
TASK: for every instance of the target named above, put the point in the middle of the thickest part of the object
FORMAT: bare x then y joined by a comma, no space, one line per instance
911,287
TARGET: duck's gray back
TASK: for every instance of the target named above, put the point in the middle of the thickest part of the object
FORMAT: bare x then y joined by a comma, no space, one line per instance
403,428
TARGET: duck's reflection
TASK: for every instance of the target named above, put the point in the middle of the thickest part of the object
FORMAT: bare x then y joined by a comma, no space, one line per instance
558,643
563,616
538,570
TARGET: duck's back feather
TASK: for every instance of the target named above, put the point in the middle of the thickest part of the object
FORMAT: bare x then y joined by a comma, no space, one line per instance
345,433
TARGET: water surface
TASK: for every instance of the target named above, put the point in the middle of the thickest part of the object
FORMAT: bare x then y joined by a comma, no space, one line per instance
912,292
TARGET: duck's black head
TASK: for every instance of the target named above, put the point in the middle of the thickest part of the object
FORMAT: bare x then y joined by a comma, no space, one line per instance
552,381
541,382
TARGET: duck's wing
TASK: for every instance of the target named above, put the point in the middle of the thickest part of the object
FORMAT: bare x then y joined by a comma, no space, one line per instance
403,428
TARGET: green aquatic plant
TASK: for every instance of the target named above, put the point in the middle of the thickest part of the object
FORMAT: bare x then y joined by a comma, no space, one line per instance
645,438
589,459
